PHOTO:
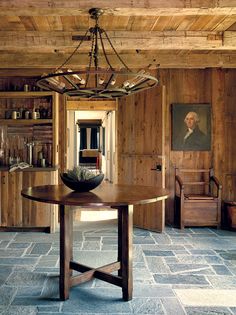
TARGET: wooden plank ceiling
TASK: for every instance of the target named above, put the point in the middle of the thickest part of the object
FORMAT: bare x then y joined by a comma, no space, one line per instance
37,35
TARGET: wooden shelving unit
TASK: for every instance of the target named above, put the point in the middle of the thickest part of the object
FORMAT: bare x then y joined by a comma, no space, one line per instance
17,213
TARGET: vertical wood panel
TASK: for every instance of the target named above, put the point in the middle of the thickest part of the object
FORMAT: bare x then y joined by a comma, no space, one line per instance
18,201
4,198
218,88
37,213
139,149
224,99
62,127
12,210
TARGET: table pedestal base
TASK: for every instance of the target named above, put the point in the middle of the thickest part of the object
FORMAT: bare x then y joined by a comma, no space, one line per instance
124,279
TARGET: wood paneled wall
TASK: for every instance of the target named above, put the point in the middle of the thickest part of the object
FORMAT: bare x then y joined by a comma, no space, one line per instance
214,86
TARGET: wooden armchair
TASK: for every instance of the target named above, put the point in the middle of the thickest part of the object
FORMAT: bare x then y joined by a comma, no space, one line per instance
197,198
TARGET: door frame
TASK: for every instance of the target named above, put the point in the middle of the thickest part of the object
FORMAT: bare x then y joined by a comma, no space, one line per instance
95,105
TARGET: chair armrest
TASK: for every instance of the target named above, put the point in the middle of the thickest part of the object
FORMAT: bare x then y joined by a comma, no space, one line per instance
217,183
180,182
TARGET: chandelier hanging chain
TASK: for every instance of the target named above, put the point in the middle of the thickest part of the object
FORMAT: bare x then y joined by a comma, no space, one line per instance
95,54
90,59
101,78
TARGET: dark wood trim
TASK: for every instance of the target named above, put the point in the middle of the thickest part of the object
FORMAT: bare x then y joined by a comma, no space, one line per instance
65,251
119,219
100,273
45,229
127,249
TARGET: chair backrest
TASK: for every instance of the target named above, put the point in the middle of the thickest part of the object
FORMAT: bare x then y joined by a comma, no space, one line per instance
196,181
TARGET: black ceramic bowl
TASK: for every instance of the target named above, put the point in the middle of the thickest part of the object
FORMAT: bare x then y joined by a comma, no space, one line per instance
82,186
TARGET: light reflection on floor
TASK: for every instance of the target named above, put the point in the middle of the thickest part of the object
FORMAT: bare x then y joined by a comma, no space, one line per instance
100,215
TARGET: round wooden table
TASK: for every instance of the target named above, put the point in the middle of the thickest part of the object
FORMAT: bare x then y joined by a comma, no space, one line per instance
120,197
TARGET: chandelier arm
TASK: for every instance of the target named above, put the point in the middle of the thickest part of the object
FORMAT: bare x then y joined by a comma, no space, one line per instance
103,49
136,86
90,60
65,62
117,55
71,82
107,59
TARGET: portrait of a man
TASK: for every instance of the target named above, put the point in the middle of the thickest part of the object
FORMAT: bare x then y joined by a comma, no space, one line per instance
191,127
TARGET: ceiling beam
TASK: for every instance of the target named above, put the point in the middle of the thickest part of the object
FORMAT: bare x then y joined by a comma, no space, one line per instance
141,7
122,40
35,65
105,105
119,11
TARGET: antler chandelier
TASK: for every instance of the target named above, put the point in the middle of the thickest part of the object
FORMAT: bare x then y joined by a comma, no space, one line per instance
96,81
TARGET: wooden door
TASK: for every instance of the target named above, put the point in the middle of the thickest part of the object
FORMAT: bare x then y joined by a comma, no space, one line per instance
140,150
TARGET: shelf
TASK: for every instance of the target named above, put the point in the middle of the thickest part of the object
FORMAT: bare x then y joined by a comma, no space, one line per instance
22,94
31,169
25,121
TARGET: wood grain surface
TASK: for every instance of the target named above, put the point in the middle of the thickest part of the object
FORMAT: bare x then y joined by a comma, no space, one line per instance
104,195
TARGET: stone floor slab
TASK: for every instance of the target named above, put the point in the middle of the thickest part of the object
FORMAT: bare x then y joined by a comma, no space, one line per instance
147,306
20,310
172,306
180,279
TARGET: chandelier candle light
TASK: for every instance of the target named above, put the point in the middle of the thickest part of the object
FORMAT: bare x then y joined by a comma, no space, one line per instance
96,81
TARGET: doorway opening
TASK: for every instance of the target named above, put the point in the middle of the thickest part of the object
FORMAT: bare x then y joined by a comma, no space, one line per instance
91,143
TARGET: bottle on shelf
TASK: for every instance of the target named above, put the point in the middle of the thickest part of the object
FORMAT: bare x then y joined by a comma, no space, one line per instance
37,113
43,112
2,155
2,147
30,146
49,154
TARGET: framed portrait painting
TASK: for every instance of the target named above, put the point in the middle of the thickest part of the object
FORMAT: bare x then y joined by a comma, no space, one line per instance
191,127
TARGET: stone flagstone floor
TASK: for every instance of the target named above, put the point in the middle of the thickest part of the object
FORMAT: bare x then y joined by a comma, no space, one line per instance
191,272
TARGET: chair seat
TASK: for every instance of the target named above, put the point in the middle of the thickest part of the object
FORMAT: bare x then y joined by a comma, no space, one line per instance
198,197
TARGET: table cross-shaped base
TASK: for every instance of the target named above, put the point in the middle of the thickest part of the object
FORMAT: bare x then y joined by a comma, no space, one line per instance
124,279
